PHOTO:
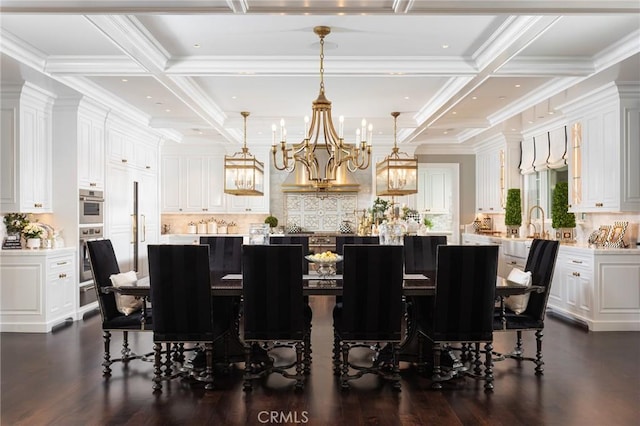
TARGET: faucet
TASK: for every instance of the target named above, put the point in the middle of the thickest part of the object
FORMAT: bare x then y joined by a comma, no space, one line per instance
542,232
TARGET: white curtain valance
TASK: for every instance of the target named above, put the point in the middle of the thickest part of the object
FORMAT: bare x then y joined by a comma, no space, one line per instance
557,148
545,151
528,156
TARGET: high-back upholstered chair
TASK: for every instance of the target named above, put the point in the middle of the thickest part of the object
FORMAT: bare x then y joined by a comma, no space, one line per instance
341,240
181,298
225,257
371,310
420,252
103,265
303,240
273,307
419,258
541,263
464,304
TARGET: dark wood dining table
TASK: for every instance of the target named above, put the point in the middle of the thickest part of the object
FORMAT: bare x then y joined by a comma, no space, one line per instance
414,286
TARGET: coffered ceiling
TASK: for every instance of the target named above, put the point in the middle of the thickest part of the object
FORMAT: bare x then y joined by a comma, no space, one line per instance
458,71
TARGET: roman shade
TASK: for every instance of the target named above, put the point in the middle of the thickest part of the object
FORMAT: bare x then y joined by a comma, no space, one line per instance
545,151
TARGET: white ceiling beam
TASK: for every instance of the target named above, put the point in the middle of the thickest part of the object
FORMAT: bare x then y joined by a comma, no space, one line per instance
238,6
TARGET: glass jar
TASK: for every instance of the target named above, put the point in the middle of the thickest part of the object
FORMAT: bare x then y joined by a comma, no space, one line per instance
258,233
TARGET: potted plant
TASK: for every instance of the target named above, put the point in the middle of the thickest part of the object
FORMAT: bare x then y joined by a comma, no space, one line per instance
272,221
513,213
32,233
15,223
561,220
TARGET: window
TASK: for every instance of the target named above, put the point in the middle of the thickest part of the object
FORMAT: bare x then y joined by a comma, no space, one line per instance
538,190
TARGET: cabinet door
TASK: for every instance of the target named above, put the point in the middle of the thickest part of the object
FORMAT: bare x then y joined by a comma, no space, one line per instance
61,288
214,184
435,190
35,161
171,192
119,226
193,185
90,153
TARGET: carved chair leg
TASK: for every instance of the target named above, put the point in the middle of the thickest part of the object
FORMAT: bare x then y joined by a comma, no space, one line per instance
208,372
157,371
396,367
437,349
421,361
336,354
476,360
126,351
299,365
247,368
488,367
106,371
518,350
539,363
307,352
345,365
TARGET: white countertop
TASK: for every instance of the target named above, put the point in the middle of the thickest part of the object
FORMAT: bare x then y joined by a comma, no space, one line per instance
37,252
569,246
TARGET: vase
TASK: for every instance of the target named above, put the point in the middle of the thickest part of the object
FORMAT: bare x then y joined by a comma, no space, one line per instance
33,243
513,231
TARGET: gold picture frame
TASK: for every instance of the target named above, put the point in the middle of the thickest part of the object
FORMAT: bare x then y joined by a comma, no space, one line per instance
615,239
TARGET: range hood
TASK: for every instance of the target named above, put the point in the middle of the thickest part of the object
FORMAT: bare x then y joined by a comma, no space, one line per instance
297,180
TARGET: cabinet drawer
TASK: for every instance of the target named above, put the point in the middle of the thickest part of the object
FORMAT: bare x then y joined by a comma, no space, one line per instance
61,267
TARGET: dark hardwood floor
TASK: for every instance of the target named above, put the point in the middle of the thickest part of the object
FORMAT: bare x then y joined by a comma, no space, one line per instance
55,378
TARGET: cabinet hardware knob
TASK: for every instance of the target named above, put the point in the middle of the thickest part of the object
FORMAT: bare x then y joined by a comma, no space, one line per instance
124,160
577,261
62,276
576,274
599,204
61,263
490,208
38,205
148,167
92,184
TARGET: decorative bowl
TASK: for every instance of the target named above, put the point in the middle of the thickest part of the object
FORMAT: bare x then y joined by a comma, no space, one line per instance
325,267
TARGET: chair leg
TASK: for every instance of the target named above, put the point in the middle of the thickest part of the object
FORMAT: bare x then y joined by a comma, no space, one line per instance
488,367
539,363
421,361
396,367
307,352
437,349
247,369
208,372
126,351
476,360
299,365
345,365
336,354
518,351
106,371
157,371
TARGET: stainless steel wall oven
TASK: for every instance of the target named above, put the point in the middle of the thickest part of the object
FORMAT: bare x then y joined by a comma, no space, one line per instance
91,206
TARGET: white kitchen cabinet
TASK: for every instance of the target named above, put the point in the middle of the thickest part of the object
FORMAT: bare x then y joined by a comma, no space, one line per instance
91,144
38,289
489,194
192,184
604,151
26,144
434,190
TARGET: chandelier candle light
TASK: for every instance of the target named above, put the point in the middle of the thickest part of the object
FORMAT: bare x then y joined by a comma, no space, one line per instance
244,174
397,174
323,150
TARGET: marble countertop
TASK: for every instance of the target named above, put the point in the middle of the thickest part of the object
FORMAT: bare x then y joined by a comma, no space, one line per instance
37,252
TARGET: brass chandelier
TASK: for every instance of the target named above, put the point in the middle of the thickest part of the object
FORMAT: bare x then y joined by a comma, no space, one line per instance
243,173
323,150
397,174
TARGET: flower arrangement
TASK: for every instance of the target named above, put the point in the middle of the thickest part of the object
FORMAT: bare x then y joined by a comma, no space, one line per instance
32,230
15,222
380,211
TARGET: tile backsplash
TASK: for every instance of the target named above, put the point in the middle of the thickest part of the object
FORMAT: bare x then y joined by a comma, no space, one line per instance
178,222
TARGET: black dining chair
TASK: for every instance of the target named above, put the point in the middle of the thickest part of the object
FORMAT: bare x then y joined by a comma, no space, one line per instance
370,312
463,306
273,310
183,309
104,264
341,240
541,262
419,258
225,257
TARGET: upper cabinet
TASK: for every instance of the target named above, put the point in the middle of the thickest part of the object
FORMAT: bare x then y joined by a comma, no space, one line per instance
192,181
604,150
26,143
496,171
91,140
434,189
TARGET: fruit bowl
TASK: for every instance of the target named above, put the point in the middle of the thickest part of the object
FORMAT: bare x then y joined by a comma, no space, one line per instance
326,263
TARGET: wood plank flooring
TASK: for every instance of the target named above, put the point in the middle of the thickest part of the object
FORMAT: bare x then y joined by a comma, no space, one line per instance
56,379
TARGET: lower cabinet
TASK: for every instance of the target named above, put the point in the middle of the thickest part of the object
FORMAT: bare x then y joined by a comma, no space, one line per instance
38,289
599,288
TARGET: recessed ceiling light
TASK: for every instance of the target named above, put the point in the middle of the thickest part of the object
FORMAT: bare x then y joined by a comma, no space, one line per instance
517,85
158,103
474,97
550,113
167,110
124,80
149,96
234,97
406,97
502,98
445,132
196,45
445,46
454,112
